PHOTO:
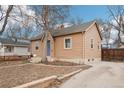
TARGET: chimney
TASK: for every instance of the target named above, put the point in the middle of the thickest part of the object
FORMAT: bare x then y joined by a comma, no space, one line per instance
61,26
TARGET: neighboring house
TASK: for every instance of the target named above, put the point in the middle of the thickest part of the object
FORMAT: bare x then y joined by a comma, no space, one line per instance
9,47
79,44
121,46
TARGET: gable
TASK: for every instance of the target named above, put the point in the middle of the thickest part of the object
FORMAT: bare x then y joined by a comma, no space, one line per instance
97,28
93,33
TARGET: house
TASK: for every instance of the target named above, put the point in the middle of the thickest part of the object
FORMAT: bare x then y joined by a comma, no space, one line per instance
121,46
80,43
10,47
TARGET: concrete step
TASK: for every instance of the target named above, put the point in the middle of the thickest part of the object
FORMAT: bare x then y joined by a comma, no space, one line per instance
35,59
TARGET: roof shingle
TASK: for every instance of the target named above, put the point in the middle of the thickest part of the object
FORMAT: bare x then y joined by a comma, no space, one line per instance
12,42
72,29
69,30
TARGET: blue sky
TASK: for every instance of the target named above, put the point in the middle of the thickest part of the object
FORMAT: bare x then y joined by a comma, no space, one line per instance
89,12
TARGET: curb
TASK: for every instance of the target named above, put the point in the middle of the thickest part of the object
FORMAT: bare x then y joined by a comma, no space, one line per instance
59,66
69,75
45,82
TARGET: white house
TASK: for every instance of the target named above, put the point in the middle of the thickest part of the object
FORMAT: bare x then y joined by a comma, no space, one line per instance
9,47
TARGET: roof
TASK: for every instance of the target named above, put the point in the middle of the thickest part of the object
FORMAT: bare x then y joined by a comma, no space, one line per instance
69,30
72,29
37,37
6,41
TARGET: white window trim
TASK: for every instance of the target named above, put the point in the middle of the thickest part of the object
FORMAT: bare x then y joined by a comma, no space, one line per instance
70,42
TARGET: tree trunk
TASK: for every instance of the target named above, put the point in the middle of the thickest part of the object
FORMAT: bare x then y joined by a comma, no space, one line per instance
10,7
44,54
119,38
46,29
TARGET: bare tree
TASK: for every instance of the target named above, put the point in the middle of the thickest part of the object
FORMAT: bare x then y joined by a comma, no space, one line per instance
106,33
76,21
23,24
1,14
10,7
12,31
47,17
116,15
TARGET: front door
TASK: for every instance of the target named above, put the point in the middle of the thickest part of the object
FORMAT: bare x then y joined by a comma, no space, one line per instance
48,47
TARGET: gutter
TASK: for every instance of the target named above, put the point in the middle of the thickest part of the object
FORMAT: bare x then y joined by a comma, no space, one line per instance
16,45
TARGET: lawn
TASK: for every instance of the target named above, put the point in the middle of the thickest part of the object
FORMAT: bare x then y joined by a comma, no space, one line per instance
61,63
10,63
15,75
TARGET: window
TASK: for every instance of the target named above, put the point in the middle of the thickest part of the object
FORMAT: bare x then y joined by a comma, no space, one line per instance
67,43
99,46
88,60
36,45
9,49
91,43
92,59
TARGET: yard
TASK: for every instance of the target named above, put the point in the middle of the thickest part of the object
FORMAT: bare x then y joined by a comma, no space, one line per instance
10,63
15,74
61,63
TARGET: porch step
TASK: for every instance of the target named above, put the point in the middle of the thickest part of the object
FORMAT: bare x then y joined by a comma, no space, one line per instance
35,59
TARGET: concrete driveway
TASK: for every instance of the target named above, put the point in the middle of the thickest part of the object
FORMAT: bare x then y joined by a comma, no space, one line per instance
101,75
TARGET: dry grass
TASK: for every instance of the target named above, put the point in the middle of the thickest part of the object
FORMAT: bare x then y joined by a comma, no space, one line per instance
61,63
16,75
10,63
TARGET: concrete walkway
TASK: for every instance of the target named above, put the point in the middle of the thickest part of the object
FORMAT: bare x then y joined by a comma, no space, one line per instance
101,75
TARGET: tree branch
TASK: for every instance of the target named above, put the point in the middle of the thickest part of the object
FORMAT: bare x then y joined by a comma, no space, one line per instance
10,7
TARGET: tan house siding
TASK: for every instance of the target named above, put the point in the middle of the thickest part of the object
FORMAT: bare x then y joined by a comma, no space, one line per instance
37,52
95,52
80,51
74,53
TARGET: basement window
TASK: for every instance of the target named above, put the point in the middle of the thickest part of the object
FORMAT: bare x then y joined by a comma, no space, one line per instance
68,43
88,60
93,59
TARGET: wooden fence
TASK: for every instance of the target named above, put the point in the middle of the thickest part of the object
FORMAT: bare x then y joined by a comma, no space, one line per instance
112,54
